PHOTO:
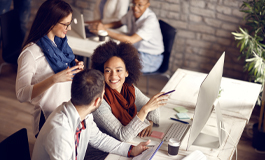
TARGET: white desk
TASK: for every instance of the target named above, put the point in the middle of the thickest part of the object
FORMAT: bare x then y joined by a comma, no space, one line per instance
237,98
86,47
241,97
80,46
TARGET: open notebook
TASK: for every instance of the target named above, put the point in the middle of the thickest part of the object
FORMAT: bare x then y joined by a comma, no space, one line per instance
149,153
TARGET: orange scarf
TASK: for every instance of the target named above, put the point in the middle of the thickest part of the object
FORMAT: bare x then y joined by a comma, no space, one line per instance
122,104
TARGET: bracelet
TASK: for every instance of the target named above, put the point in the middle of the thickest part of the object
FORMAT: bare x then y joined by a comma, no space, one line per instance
130,150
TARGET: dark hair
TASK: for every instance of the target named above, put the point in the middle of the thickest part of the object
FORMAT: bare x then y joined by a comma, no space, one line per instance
48,15
86,86
127,52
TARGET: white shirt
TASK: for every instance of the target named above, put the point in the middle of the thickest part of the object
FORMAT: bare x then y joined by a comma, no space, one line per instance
148,28
113,10
56,139
34,68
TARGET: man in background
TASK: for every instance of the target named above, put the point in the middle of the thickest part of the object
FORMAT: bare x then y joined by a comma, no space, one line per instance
143,32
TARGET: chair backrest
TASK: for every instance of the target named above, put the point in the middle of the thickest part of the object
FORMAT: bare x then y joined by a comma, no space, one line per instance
15,146
11,35
168,33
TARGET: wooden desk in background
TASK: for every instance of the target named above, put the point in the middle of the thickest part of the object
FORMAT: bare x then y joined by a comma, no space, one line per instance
237,102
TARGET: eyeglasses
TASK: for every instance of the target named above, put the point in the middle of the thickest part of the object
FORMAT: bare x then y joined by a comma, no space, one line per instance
67,25
137,5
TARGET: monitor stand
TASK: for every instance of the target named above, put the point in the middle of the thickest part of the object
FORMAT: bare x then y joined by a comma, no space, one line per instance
209,141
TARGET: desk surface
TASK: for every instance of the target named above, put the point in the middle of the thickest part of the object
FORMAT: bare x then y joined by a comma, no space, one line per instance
237,102
86,47
237,98
80,46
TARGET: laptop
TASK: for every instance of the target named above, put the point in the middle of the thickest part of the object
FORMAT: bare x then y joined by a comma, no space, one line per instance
79,26
149,153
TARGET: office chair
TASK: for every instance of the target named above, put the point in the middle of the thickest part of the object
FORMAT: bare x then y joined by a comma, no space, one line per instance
15,146
168,33
11,36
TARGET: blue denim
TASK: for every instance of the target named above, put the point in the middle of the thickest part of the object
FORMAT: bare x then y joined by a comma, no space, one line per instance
150,62
23,9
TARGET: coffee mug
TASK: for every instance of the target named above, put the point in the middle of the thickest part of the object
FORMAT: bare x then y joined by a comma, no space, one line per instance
173,146
102,35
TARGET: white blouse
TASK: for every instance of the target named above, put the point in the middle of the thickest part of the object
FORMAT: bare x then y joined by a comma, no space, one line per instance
32,69
113,10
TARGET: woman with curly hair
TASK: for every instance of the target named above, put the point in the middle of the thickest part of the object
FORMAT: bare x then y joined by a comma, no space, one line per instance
125,111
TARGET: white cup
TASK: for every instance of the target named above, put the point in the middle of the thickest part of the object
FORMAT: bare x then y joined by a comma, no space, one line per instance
102,35
173,146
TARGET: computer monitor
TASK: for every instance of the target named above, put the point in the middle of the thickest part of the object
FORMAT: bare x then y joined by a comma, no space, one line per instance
206,102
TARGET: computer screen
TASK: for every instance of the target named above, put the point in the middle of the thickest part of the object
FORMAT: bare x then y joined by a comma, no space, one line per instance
206,102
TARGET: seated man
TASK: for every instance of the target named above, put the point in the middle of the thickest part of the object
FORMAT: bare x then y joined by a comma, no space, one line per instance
70,128
143,32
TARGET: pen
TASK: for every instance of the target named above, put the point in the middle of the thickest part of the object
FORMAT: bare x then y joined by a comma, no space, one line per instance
179,120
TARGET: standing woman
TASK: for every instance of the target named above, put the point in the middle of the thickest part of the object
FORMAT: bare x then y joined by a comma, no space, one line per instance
47,64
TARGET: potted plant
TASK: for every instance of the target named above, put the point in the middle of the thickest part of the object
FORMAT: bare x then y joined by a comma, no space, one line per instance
251,42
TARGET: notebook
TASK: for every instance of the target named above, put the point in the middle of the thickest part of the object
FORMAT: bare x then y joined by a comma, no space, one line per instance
181,109
149,153
182,116
157,134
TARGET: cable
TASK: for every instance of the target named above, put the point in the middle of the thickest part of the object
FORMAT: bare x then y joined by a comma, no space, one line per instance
231,139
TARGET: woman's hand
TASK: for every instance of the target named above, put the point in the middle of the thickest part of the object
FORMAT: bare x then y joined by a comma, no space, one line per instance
66,75
156,101
147,131
80,64
63,76
140,148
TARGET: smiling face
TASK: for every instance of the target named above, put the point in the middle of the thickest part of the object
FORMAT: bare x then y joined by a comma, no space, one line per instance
115,73
139,6
60,29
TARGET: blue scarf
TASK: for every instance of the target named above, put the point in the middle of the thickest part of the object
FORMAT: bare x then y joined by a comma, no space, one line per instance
59,57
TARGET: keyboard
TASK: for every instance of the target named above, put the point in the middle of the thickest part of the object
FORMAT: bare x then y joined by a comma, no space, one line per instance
176,130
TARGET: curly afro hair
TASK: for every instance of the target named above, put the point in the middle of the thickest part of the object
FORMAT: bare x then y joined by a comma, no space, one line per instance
126,51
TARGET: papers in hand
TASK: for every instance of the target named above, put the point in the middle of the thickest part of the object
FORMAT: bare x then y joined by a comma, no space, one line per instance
149,153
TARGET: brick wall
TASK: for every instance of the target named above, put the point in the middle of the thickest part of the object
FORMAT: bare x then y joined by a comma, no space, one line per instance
204,31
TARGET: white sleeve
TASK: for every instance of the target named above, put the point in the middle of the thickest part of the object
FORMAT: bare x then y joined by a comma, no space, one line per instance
121,8
26,70
58,145
107,143
147,28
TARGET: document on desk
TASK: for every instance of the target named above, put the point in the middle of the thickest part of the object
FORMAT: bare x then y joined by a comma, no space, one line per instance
149,153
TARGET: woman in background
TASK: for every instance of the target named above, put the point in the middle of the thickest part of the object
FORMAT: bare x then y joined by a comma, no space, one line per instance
47,64
108,11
